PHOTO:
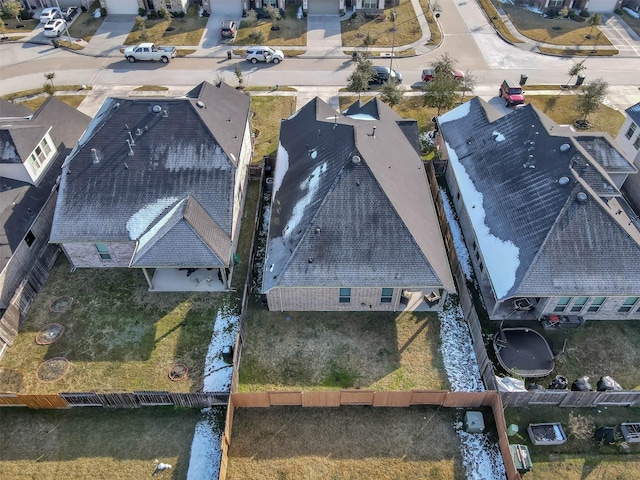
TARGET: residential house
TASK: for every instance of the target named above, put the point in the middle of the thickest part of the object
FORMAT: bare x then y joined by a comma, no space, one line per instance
131,7
547,228
628,141
33,147
352,225
607,6
317,7
159,184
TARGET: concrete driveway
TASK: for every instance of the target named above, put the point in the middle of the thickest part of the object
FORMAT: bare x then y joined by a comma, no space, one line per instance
110,37
624,39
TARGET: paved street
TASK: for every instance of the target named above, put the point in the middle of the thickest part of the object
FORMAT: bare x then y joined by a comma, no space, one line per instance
468,37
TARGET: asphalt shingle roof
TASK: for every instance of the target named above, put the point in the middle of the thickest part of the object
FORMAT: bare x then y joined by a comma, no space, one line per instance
634,112
337,219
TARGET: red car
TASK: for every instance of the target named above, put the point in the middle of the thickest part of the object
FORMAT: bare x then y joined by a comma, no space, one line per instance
512,93
429,73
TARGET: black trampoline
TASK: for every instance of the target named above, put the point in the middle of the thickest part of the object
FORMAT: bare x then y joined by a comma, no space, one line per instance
524,352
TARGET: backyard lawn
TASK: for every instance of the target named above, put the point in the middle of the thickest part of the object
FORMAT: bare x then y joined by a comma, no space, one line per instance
95,443
269,111
347,443
581,457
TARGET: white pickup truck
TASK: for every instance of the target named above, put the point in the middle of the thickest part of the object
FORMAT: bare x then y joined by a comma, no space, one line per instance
149,51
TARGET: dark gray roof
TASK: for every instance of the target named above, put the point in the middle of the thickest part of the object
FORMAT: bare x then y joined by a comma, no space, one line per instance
20,202
634,112
18,141
13,110
535,236
181,147
605,153
351,208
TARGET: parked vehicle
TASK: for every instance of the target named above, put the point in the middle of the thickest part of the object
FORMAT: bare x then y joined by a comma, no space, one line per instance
70,13
384,74
229,29
264,54
149,51
50,13
512,93
429,73
54,28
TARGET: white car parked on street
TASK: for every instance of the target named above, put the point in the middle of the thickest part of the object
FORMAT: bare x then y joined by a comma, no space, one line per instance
54,28
50,13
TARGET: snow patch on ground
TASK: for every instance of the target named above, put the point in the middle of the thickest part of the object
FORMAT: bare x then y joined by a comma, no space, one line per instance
456,233
205,448
217,373
481,457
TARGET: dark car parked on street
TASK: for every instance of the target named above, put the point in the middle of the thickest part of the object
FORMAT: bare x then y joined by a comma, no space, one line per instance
383,74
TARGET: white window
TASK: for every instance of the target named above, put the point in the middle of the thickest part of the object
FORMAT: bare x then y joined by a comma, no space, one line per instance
561,306
628,304
387,295
596,304
556,3
579,304
370,4
345,295
40,155
636,144
103,251
631,131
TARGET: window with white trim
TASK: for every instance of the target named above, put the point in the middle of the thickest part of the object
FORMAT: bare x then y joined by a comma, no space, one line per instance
556,3
636,144
596,304
103,251
562,304
345,295
387,295
40,155
632,129
628,304
579,304
370,4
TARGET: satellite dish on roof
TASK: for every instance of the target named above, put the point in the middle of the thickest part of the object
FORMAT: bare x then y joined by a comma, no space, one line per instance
565,147
156,109
355,159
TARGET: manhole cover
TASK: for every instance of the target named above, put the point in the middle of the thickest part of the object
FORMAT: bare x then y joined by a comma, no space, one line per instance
62,304
49,334
53,369
178,372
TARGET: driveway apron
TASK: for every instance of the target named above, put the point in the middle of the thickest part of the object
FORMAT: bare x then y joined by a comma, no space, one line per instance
323,36
110,37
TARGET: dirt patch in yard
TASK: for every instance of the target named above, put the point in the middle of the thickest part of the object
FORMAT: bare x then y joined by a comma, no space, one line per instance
333,350
317,443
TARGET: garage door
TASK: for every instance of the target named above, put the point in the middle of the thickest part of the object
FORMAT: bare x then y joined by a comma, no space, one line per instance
122,7
601,5
324,7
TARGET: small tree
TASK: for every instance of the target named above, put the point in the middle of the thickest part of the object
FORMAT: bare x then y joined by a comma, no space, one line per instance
50,77
164,13
591,98
238,73
575,70
359,80
441,92
13,8
274,14
467,84
594,21
251,19
391,93
564,12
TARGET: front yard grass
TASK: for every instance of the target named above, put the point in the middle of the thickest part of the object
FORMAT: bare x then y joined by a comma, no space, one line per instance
581,457
95,443
348,443
382,351
186,31
269,111
380,30
556,31
561,109
86,25
292,31
11,25
497,22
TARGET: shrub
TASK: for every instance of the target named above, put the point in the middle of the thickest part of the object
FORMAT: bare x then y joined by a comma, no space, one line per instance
579,19
142,12
103,12
585,13
553,13
26,14
571,14
153,15
618,11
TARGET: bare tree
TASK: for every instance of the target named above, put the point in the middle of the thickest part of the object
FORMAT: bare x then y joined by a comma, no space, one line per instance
591,99
467,83
594,21
575,69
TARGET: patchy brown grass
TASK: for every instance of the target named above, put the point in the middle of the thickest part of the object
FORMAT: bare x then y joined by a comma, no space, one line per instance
332,350
561,109
71,100
434,27
186,31
266,122
556,31
578,458
349,443
95,443
12,24
292,33
497,22
85,25
608,52
407,28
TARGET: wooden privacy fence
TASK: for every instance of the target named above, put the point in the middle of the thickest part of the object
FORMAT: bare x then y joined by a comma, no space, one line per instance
115,400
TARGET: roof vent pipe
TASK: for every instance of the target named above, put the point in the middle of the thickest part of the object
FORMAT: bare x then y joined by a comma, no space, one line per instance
133,142
565,147
95,155
355,159
156,109
563,180
374,132
581,197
